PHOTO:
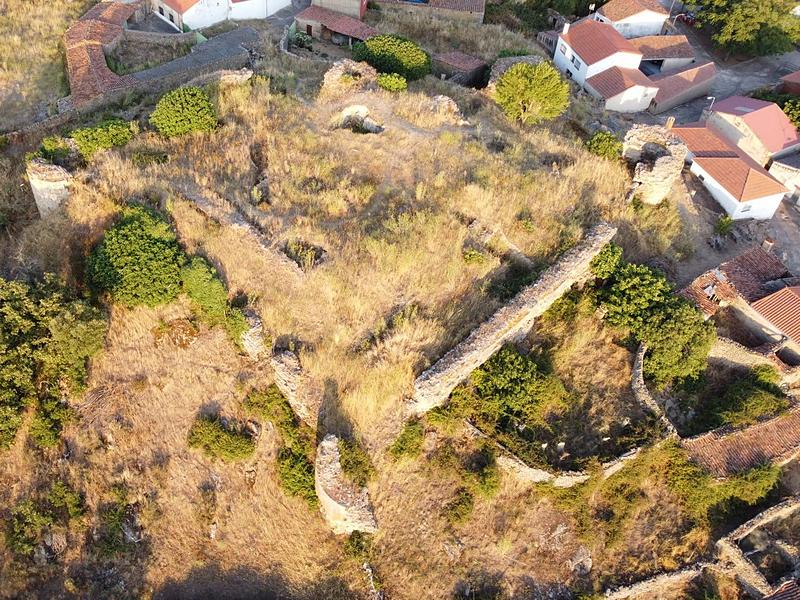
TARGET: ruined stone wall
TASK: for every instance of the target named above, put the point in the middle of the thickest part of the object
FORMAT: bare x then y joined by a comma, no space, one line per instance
49,184
651,588
641,392
654,179
433,387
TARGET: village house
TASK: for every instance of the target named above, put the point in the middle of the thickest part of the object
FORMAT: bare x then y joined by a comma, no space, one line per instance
761,293
759,128
633,18
739,184
787,171
682,85
326,24
196,14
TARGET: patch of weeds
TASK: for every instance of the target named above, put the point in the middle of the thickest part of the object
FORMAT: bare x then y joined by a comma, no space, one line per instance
510,283
218,441
724,225
111,533
66,501
409,442
358,546
459,509
355,462
49,420
482,471
296,475
26,527
146,158
473,256
306,255
398,319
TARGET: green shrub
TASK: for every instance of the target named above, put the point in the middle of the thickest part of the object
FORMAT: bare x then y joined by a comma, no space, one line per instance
512,52
392,82
303,40
792,110
218,441
355,462
54,148
64,499
607,261
532,93
459,509
49,420
147,158
138,261
306,255
482,471
394,54
473,256
605,144
358,546
724,225
209,296
26,527
110,532
108,134
409,442
182,111
296,474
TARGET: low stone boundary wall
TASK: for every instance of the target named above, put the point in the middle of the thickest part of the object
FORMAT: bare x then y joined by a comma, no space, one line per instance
650,588
751,579
641,392
779,511
434,386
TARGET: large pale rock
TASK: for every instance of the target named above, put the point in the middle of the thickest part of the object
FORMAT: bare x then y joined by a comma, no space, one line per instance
253,340
347,76
345,507
301,393
659,158
49,184
513,321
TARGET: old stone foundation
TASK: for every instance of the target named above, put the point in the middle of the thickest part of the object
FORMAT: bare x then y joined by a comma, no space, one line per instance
658,156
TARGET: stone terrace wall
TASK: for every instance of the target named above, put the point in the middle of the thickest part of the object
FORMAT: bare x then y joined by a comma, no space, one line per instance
650,588
641,392
434,386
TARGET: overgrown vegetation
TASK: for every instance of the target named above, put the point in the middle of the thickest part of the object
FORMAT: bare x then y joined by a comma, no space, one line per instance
219,440
296,456
394,54
46,337
355,462
182,111
532,93
605,144
459,509
108,134
392,82
409,442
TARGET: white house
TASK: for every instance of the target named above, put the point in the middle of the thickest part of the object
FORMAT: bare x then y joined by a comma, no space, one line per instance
633,18
740,185
589,47
197,14
624,90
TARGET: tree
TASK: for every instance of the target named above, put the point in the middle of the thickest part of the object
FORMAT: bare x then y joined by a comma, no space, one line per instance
605,144
394,54
532,93
635,295
182,111
138,261
757,27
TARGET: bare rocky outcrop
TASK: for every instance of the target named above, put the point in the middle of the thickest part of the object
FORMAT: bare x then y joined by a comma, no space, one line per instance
347,76
658,156
49,184
345,507
513,321
501,65
253,340
301,393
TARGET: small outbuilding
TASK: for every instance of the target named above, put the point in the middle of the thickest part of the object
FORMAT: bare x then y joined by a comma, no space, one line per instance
325,24
790,84
462,68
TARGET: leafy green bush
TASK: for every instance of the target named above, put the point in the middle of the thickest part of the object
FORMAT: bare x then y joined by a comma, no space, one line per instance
607,261
54,148
605,144
306,255
409,442
394,54
218,441
49,420
532,93
792,110
303,40
110,533
482,471
459,509
182,111
108,134
296,474
138,261
64,499
26,527
146,158
358,546
392,82
473,256
724,225
355,462
208,294
512,52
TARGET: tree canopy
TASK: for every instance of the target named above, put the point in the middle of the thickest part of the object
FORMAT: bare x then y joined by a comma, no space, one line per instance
532,93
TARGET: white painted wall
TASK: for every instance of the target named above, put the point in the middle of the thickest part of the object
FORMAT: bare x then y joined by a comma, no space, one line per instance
176,22
274,6
760,208
206,13
635,99
564,55
248,9
645,23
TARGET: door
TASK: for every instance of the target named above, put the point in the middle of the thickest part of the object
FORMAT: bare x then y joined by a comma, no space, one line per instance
309,30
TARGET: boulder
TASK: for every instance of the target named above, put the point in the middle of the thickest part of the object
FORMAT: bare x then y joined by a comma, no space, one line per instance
658,156
345,507
356,118
347,76
303,396
253,340
49,184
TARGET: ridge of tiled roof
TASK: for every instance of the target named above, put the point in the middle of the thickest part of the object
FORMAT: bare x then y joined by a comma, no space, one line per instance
593,41
674,83
338,22
765,119
656,47
617,10
616,80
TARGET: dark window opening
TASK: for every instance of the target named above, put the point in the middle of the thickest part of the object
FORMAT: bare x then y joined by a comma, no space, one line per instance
171,18
309,29
161,10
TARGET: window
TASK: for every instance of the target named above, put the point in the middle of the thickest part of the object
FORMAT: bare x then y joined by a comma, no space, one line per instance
161,10
746,208
569,74
563,49
171,18
576,62
701,177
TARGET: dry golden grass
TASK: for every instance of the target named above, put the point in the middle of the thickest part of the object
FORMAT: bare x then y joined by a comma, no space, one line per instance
31,62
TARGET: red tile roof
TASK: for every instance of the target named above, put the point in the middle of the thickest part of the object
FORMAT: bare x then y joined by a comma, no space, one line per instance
702,141
615,80
765,119
724,455
792,77
788,591
743,276
338,23
460,61
674,83
181,6
782,309
657,47
741,177
593,41
617,10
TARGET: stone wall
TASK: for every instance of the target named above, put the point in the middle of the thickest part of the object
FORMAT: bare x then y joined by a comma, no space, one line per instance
304,397
654,176
641,392
433,387
172,40
49,184
651,588
345,507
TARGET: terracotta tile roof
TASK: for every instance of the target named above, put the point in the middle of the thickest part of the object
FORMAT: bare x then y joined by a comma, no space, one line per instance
702,141
473,6
788,591
338,22
617,10
765,119
181,6
724,455
792,77
674,83
782,309
615,80
115,13
657,47
743,276
593,41
741,177
460,61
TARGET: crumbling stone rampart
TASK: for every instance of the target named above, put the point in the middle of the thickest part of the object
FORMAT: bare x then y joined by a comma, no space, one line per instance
348,76
653,587
641,392
433,387
49,184
345,507
659,158
301,393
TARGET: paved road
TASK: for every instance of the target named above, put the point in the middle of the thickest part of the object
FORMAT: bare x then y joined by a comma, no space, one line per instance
285,16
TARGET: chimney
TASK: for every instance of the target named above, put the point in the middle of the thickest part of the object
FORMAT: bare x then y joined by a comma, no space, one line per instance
670,123
767,245
566,28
